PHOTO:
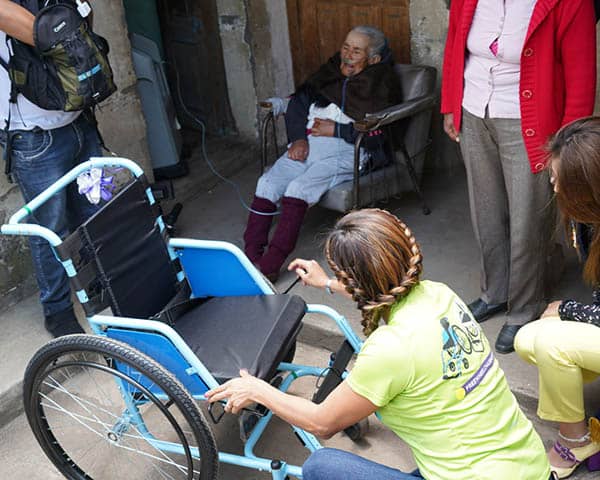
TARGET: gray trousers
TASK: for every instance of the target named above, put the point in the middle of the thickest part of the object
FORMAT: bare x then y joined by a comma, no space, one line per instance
330,162
512,213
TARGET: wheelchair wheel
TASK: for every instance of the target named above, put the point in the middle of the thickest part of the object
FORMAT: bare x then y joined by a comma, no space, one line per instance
102,410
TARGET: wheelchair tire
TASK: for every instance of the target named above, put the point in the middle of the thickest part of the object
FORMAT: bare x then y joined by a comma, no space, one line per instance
101,409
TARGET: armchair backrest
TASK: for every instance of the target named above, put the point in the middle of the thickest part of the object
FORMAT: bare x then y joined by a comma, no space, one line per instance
416,81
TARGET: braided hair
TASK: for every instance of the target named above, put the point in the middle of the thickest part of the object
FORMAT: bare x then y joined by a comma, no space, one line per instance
376,257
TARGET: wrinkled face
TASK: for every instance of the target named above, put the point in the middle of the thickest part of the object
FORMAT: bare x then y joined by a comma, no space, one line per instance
355,54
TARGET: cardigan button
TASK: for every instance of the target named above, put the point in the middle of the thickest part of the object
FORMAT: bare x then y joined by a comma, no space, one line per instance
528,52
530,132
527,94
538,167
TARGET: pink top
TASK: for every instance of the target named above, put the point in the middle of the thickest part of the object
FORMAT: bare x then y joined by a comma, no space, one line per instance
493,63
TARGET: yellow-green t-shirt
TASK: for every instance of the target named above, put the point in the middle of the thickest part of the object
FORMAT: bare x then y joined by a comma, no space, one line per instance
437,384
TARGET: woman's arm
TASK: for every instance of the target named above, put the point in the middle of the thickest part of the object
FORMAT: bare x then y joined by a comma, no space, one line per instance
455,9
578,53
339,410
16,21
581,312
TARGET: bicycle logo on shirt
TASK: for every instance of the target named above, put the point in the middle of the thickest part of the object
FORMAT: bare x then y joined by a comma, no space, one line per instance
460,340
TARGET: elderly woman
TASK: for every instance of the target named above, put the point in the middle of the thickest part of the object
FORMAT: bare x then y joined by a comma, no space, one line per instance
319,120
565,343
426,368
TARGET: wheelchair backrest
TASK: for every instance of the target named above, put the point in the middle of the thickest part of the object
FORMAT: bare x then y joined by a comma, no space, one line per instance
121,257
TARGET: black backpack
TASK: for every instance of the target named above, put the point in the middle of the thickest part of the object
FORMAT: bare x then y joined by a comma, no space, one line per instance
68,68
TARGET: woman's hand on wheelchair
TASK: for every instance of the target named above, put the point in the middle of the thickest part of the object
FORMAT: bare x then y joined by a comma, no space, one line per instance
239,392
310,272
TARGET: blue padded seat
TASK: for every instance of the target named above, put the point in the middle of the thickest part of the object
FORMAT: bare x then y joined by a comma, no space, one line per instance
251,332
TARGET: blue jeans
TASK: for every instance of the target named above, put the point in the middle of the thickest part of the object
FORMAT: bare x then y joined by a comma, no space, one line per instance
39,158
332,464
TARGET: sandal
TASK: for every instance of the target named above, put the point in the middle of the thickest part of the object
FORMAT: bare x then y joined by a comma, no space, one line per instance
577,455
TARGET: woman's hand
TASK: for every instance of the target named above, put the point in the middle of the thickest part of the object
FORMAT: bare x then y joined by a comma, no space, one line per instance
323,128
449,127
239,392
298,150
310,272
552,309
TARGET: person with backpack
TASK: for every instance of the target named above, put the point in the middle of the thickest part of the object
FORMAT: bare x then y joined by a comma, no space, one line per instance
40,145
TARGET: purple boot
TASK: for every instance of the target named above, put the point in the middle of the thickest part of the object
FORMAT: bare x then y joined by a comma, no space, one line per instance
285,236
256,236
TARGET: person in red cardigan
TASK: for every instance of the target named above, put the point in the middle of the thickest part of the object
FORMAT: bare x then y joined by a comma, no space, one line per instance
514,72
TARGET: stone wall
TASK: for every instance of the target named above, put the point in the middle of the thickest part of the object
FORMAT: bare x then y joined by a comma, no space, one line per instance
124,130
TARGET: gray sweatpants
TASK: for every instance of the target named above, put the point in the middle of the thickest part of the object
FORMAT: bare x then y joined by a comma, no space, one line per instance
512,214
330,162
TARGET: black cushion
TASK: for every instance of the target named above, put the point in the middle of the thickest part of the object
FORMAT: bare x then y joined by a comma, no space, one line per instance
251,332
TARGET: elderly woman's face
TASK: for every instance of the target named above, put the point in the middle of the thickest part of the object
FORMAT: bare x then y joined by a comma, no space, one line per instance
355,54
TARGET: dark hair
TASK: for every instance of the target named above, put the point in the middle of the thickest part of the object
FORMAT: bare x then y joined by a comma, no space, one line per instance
575,155
377,258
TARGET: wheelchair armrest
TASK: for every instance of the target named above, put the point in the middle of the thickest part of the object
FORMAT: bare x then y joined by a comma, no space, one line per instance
389,115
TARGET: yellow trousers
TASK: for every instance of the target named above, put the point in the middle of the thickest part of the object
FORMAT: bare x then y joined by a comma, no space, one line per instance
567,355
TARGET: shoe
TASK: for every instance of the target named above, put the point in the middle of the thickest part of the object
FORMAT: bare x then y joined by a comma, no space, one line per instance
576,455
482,311
505,343
63,323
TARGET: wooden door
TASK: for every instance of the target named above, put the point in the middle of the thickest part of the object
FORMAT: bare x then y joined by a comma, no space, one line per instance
318,28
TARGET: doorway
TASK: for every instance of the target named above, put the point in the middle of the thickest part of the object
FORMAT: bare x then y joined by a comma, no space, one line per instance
318,28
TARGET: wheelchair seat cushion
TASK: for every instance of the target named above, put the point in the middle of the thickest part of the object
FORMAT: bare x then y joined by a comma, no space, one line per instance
251,332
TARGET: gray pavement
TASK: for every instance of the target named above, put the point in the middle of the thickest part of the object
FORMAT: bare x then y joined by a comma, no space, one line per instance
450,256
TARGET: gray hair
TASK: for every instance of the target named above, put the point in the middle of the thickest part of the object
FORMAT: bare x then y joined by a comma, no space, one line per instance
377,41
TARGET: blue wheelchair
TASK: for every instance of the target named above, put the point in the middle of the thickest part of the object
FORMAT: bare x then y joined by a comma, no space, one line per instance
186,316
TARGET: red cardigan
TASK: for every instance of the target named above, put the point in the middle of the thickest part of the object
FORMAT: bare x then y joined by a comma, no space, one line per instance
558,68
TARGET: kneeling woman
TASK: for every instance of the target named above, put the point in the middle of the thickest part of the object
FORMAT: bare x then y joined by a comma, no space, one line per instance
565,342
428,370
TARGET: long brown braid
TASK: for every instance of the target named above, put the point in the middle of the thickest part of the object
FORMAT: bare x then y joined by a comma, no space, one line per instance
376,257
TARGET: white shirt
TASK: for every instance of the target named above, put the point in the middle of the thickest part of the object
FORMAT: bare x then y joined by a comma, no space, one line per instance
330,112
492,81
26,115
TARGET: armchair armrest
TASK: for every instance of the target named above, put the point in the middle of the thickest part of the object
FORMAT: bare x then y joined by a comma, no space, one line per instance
389,115
274,105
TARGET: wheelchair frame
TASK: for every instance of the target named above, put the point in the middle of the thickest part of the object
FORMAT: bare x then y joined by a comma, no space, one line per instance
192,254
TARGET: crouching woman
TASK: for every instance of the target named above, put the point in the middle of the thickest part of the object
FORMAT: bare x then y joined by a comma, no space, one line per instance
426,368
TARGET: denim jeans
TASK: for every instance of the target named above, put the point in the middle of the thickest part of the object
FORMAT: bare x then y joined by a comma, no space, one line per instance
39,158
332,464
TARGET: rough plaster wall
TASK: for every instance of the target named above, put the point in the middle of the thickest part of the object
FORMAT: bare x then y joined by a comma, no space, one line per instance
429,25
121,119
124,130
239,64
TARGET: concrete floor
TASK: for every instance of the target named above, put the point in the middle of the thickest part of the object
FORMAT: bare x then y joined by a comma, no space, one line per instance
450,256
